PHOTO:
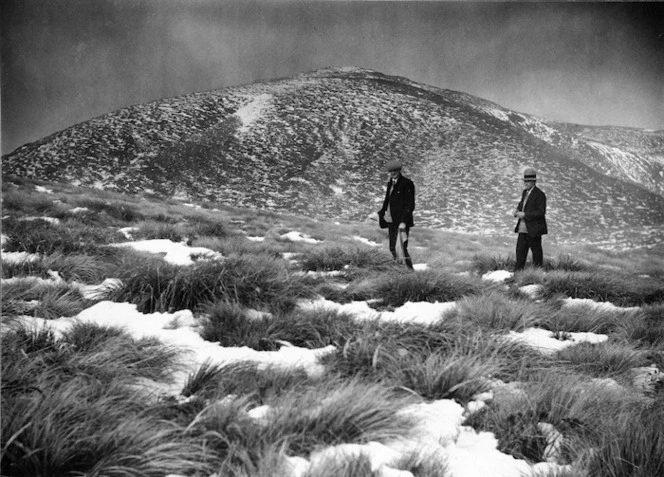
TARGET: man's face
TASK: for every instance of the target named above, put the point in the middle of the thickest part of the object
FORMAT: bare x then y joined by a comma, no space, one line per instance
394,174
527,185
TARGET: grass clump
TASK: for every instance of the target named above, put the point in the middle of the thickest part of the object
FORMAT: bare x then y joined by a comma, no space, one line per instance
69,406
647,327
83,428
20,202
335,412
228,324
42,237
117,210
313,328
394,289
582,410
568,263
619,289
48,301
442,375
250,281
636,448
586,318
338,258
496,311
487,263
601,360
256,383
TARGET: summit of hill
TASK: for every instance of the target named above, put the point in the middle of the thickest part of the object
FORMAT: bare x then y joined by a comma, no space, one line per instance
316,144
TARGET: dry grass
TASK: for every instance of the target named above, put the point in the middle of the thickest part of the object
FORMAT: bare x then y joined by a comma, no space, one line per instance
74,402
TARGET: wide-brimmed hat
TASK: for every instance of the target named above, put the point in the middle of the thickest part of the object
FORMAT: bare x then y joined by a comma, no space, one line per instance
529,174
393,166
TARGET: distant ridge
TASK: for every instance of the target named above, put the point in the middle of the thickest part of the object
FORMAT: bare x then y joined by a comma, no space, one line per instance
316,144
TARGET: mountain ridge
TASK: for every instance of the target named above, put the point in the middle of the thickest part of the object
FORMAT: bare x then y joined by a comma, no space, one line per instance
316,144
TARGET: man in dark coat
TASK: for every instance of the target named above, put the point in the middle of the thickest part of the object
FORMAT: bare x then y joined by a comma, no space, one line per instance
531,226
397,212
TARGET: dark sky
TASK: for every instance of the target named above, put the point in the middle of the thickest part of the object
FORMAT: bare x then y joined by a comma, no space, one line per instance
66,61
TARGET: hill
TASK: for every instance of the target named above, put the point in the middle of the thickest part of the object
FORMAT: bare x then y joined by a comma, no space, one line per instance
316,143
152,338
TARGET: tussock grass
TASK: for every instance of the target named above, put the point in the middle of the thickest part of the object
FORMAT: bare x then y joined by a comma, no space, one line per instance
28,339
567,262
337,258
635,449
647,327
494,310
248,280
27,203
233,435
118,210
346,466
585,318
203,380
82,427
364,352
239,245
77,396
602,360
186,229
487,263
617,288
269,461
41,300
150,230
442,375
583,411
39,236
257,383
334,412
434,362
314,328
90,269
69,406
228,323
100,354
395,288
87,337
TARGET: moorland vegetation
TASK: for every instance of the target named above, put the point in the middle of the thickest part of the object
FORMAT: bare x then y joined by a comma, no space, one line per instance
71,406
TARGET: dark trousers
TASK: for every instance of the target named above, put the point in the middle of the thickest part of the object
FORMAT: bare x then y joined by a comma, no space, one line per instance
393,231
523,244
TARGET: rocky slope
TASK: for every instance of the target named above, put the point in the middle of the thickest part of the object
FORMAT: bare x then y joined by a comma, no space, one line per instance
316,144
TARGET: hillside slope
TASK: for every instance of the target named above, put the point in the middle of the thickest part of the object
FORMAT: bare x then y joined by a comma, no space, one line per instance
316,144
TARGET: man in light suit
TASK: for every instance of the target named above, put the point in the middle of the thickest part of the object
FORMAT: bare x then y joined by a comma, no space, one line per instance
531,226
396,215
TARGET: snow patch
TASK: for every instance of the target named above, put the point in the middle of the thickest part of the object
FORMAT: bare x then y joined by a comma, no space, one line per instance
365,241
185,337
19,257
252,111
497,276
410,312
548,342
299,237
176,253
601,306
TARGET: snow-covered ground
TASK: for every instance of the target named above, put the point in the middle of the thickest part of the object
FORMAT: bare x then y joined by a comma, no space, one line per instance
441,435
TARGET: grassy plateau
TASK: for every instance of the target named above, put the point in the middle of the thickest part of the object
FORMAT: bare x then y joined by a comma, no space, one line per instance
76,402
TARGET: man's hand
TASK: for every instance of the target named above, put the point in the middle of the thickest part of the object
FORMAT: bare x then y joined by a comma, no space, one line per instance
521,215
402,226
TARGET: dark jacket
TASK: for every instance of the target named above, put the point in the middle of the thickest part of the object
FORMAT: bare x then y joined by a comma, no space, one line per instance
401,201
535,212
